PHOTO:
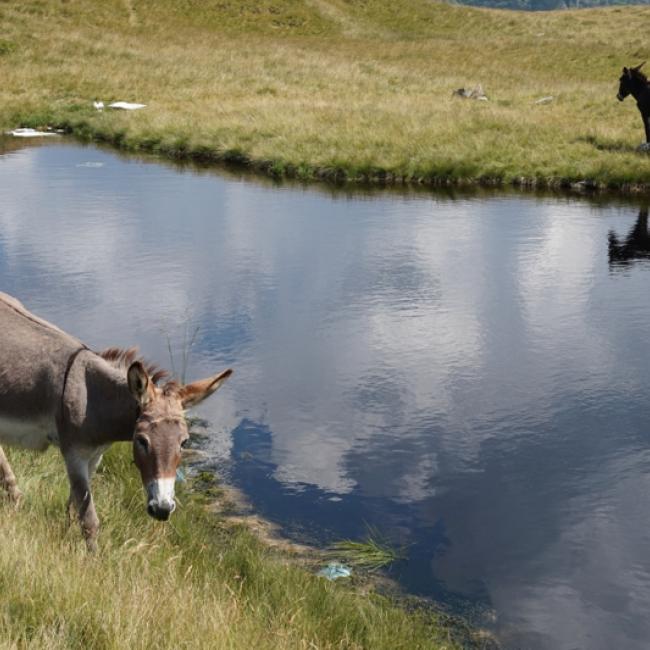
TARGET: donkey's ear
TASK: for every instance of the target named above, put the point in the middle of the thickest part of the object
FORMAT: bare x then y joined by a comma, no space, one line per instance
138,381
638,67
192,394
626,71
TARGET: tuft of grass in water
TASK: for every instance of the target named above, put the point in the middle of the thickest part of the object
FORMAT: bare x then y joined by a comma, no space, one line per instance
371,554
336,90
195,582
190,334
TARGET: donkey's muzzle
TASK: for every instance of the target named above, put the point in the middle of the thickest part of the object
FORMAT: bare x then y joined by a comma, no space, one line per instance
619,97
160,498
161,513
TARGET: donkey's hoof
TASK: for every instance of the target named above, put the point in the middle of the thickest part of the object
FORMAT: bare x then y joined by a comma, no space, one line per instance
15,497
69,513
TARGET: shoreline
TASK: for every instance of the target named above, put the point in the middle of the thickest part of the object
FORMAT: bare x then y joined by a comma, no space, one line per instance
341,178
226,586
229,504
377,177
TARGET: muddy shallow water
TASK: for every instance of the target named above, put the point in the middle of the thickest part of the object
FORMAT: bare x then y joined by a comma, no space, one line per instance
468,375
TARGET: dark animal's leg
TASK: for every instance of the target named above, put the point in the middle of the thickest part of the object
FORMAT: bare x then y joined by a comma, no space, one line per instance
8,479
69,510
646,124
77,465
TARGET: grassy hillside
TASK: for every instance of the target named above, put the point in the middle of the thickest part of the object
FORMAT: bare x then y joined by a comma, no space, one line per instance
344,88
193,582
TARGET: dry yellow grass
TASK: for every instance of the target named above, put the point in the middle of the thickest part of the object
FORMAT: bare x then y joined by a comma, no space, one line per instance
313,87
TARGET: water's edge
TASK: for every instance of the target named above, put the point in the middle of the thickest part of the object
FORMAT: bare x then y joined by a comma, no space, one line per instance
376,177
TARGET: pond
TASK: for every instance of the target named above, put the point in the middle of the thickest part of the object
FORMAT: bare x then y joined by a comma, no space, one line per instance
468,375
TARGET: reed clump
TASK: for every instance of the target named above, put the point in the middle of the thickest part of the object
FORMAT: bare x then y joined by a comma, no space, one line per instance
372,553
336,89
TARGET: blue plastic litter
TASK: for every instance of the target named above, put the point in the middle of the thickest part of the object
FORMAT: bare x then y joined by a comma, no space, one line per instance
335,570
180,475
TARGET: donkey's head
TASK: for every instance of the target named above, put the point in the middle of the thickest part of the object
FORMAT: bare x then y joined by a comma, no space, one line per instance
161,431
630,79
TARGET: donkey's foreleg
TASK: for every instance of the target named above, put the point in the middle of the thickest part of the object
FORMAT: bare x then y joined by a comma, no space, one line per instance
95,460
76,463
8,479
93,464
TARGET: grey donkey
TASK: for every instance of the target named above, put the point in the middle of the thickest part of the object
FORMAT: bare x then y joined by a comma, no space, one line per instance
54,390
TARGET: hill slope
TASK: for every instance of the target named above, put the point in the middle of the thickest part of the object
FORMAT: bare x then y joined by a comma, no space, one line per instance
334,87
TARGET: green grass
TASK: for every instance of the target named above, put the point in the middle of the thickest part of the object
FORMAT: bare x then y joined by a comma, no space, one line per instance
194,582
338,89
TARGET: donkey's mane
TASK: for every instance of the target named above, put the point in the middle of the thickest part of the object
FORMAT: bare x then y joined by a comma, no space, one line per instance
122,358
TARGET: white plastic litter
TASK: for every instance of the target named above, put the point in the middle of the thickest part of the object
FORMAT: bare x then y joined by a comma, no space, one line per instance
29,133
99,106
334,571
545,100
126,106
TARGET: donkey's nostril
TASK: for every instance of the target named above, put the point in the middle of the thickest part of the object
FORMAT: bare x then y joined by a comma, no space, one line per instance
161,513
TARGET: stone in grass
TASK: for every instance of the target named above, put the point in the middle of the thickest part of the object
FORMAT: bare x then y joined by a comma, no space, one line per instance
471,93
644,147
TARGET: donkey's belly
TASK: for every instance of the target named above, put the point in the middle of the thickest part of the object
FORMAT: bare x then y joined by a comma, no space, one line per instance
36,434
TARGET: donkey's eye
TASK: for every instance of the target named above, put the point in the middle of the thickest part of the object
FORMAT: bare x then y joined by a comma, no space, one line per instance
142,442
185,443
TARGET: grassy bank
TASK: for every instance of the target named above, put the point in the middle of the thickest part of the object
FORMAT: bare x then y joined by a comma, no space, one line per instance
192,583
337,89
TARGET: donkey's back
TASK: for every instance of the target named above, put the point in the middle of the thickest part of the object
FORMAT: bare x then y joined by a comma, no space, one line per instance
33,358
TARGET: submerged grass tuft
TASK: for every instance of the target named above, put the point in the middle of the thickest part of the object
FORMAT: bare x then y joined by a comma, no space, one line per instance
371,554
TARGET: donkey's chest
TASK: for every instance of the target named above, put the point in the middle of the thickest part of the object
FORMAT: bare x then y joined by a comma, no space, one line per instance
34,433
643,103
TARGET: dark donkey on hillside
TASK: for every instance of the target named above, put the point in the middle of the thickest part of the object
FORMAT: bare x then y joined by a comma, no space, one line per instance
634,82
55,390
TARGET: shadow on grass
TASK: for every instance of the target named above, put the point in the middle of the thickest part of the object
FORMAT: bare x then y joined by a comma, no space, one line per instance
608,145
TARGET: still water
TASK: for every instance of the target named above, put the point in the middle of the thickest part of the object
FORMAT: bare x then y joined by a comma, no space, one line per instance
471,376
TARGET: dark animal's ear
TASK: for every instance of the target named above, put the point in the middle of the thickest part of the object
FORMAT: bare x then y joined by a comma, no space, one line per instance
627,72
638,67
138,381
192,394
